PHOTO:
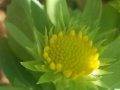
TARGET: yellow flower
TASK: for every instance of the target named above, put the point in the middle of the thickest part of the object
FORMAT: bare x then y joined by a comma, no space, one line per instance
72,54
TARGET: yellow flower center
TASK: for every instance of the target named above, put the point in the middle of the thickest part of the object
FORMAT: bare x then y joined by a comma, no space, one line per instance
71,54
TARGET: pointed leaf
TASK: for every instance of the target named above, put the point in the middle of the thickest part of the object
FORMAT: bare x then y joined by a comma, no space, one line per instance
58,12
41,68
38,43
100,72
109,21
109,18
30,65
113,52
19,14
18,35
40,17
19,42
92,12
17,75
100,83
35,66
48,77
113,79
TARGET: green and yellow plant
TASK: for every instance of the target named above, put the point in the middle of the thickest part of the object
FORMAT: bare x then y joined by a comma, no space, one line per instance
52,47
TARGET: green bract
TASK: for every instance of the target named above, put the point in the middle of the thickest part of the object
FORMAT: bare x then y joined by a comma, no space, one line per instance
61,48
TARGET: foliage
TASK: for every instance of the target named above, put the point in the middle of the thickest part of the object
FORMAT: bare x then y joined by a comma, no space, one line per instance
30,26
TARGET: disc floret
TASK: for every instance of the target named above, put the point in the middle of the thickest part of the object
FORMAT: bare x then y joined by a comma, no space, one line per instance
73,55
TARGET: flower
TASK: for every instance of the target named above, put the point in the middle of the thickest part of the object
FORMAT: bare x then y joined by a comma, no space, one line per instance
72,54
63,46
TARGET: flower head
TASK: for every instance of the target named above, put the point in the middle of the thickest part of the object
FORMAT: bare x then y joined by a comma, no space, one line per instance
66,45
72,54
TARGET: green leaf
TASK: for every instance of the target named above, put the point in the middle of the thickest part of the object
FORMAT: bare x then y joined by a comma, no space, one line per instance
58,12
19,14
19,42
40,17
113,80
109,24
3,53
17,75
18,35
35,66
92,13
30,65
100,84
48,77
7,66
113,50
38,43
41,68
107,61
109,18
